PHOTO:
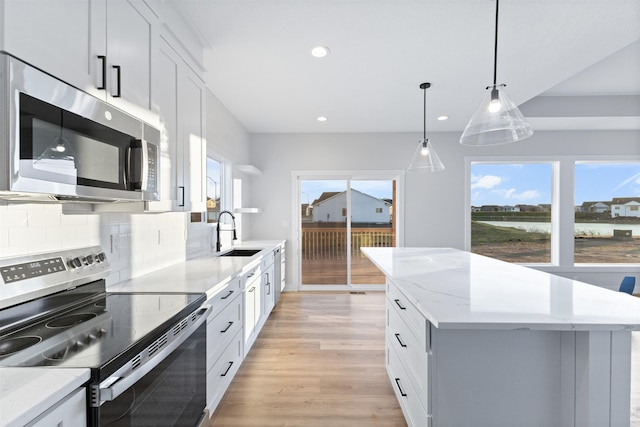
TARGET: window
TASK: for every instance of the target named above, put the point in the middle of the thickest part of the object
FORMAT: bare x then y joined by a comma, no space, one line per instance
511,211
214,188
378,210
607,219
344,211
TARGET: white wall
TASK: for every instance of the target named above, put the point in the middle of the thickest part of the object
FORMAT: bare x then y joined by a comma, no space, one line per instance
435,206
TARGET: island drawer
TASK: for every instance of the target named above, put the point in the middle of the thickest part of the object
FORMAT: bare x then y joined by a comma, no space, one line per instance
407,311
411,348
409,398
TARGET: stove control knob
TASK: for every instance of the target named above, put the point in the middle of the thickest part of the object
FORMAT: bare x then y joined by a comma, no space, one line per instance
75,262
101,257
89,259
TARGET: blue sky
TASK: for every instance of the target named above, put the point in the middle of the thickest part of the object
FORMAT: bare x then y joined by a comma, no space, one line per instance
512,184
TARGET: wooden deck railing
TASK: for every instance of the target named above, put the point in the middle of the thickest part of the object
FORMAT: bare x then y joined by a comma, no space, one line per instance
331,243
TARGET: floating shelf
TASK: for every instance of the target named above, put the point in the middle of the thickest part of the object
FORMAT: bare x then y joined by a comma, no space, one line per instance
249,170
247,210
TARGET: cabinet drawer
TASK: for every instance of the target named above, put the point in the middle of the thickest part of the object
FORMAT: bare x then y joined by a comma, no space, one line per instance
408,397
222,328
411,348
250,277
224,369
267,260
407,311
220,300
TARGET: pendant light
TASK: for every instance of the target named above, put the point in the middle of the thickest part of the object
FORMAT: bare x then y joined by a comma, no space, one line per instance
425,158
497,120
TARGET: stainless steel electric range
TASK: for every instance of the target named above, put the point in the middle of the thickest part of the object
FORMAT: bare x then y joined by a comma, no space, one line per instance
146,351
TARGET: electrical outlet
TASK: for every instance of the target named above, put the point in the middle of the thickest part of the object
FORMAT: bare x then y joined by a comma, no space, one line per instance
115,243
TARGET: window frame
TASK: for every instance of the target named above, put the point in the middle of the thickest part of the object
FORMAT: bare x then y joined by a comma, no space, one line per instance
226,196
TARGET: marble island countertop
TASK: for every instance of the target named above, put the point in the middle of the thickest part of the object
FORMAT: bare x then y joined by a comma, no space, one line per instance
455,289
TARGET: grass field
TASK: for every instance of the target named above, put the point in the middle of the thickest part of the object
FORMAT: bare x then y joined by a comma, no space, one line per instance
513,245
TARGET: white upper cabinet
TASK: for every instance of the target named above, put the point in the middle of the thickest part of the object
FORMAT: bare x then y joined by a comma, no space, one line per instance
130,36
178,98
103,48
55,36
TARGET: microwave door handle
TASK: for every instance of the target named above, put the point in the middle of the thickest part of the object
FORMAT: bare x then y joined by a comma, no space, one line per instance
126,174
119,385
145,165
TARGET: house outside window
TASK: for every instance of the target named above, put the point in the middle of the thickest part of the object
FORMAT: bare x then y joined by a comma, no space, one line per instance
607,216
378,210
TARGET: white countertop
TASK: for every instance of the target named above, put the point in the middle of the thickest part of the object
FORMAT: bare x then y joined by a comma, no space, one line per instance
205,274
455,289
27,392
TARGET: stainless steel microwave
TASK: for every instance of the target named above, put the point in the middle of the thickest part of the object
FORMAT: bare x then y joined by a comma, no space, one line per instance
61,144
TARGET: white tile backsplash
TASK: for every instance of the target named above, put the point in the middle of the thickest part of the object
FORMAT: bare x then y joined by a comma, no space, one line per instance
135,244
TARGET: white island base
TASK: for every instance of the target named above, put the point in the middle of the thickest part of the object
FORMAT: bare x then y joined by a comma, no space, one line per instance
473,341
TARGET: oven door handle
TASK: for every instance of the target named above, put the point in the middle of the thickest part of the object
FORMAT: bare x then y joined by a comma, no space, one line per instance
118,385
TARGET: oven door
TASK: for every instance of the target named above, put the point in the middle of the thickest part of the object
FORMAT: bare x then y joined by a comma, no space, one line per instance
172,392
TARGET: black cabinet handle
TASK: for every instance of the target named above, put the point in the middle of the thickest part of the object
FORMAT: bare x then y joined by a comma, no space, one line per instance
227,371
117,94
252,289
402,393
400,340
103,86
227,295
402,307
227,328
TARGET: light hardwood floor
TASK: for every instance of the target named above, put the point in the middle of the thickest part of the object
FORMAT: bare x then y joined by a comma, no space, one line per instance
318,361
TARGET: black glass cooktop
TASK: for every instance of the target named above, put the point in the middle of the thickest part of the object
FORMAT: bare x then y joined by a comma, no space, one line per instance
88,330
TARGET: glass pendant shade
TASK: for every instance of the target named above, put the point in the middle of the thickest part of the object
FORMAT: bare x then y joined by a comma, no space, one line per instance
497,121
425,159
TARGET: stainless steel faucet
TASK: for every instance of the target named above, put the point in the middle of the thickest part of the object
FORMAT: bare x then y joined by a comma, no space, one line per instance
233,218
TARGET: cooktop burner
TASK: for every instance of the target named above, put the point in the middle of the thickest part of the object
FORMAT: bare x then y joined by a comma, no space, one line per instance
70,320
13,345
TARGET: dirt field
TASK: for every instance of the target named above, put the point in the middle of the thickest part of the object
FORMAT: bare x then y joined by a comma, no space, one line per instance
587,250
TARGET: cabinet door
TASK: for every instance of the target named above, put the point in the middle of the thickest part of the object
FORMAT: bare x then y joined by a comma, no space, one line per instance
129,43
268,290
191,110
71,411
56,36
165,104
249,313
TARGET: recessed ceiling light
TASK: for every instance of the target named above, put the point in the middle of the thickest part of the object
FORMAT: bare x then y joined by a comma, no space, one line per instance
441,118
322,119
320,51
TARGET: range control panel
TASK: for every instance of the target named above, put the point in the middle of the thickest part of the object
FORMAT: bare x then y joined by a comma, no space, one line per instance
56,267
29,270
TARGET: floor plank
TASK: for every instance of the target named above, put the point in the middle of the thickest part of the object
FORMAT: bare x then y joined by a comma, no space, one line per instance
318,361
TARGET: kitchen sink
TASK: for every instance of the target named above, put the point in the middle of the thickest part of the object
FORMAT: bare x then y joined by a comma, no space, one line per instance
241,252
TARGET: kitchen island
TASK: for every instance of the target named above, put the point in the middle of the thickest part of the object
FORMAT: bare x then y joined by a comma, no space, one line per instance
477,341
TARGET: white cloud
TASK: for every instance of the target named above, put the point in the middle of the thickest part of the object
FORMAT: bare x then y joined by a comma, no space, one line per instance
513,195
486,181
632,179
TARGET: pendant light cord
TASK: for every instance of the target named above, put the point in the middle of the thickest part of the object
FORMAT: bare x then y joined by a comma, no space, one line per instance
495,48
424,111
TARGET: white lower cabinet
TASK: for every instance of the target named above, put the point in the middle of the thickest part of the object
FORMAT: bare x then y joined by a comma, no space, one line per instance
252,307
408,357
68,412
224,340
223,370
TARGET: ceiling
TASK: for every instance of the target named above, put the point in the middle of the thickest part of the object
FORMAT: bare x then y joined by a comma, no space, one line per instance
570,64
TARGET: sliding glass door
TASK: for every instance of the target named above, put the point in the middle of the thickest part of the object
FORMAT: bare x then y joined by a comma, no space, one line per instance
337,218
